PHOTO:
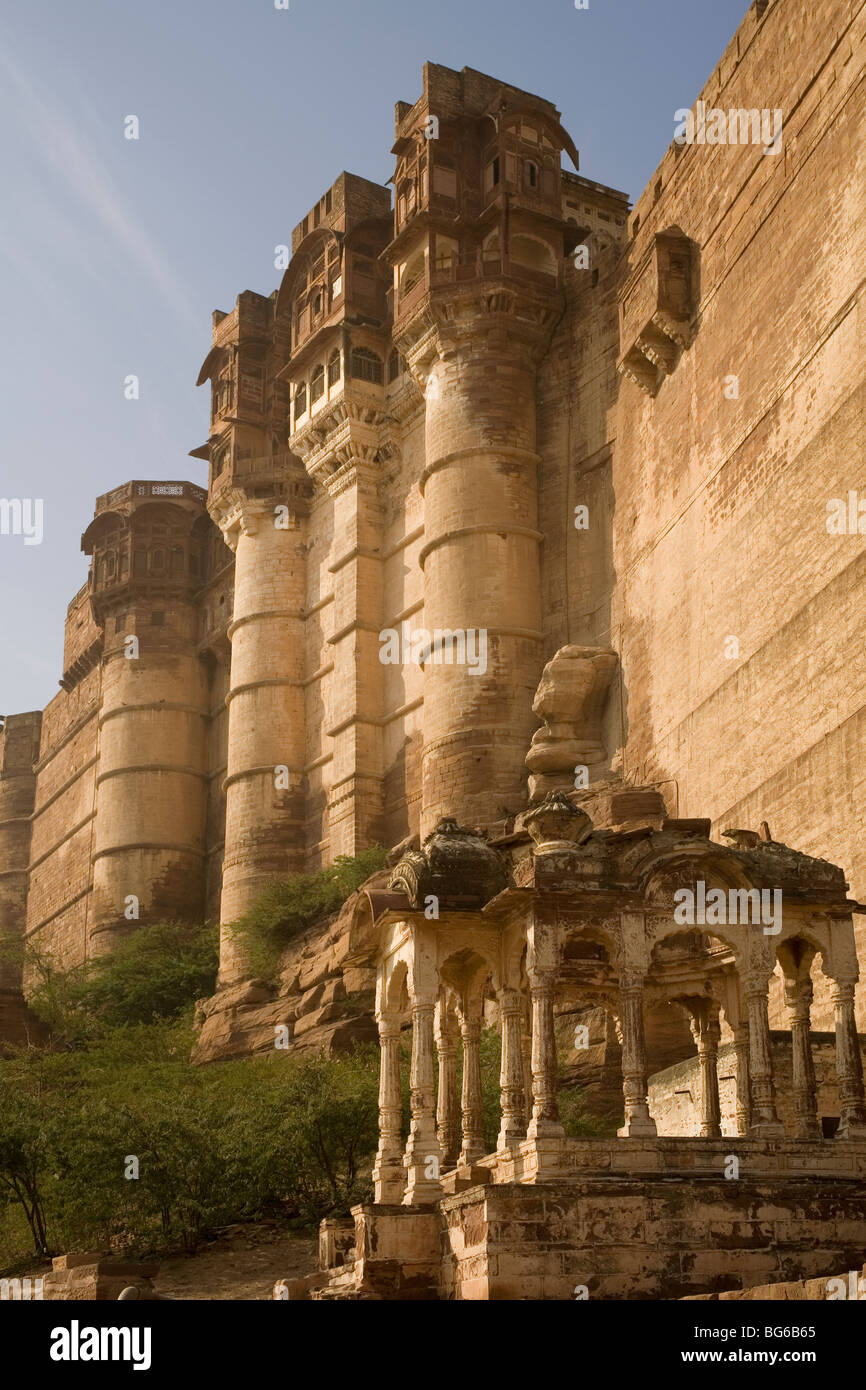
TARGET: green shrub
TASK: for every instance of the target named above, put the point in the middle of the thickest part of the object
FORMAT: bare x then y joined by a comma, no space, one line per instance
293,1139
157,972
288,906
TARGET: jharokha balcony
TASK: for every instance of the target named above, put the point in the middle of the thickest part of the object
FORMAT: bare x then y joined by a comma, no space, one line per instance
476,270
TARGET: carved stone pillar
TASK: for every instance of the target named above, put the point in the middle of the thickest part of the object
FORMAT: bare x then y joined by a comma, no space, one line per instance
447,1109
706,1033
526,1057
388,1176
764,1119
544,1123
849,1065
798,996
744,1104
423,1156
638,1120
472,1113
513,1127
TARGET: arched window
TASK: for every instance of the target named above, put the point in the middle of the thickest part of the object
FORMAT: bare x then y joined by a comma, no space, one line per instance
395,365
157,560
534,254
530,174
300,401
334,367
366,366
412,272
317,385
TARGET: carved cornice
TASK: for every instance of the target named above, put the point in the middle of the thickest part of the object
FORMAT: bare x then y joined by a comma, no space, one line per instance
471,314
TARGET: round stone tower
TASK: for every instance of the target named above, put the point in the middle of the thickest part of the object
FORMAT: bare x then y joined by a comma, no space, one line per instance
264,836
19,752
147,541
258,498
478,255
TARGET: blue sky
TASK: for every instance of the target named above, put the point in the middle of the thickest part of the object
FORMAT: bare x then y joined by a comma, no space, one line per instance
113,252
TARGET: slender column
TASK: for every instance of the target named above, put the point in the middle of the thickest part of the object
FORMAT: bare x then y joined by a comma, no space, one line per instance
545,1114
741,1050
526,1057
764,1119
447,1109
423,1156
849,1064
471,1105
706,1033
638,1120
798,996
388,1175
513,1128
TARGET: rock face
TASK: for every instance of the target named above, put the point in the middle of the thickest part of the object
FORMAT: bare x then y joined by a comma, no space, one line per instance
320,1004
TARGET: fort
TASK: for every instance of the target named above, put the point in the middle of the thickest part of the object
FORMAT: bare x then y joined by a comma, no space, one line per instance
402,434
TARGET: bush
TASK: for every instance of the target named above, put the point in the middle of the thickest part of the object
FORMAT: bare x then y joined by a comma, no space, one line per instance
157,972
292,1139
289,905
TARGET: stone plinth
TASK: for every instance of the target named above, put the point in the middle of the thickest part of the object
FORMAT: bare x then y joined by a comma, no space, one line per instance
653,1219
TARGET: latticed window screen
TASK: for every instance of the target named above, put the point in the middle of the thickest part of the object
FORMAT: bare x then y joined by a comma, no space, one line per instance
366,366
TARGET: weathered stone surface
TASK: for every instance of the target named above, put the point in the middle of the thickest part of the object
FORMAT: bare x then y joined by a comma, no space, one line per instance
88,1277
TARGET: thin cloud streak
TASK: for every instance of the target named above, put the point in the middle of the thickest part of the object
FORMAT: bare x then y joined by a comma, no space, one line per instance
52,132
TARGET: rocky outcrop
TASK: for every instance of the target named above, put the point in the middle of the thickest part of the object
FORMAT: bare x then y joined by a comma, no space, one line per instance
321,1002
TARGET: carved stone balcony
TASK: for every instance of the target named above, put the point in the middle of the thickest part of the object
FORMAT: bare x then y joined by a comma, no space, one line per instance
352,428
658,303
